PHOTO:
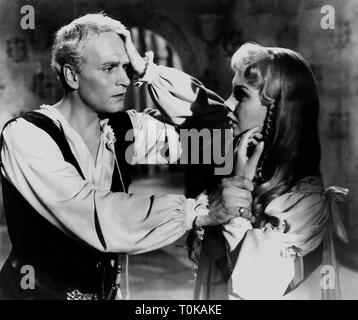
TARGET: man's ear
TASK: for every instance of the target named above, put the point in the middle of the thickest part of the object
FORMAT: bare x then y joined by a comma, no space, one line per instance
70,76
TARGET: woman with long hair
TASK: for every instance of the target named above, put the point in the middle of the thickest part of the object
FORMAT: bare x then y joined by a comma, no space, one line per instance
284,231
285,234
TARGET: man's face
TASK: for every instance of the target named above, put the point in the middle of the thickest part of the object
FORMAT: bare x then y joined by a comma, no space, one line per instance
102,78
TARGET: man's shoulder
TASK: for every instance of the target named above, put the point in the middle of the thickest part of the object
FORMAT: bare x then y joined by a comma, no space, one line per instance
23,135
23,122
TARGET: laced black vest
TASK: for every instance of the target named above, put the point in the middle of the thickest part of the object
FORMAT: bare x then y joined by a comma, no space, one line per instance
67,262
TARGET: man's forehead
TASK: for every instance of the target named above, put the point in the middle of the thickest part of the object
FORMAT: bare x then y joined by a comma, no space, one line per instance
106,47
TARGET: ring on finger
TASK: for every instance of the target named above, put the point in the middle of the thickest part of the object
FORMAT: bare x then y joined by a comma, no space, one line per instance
242,211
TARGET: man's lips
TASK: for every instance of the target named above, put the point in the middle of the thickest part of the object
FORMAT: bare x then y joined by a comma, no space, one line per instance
119,95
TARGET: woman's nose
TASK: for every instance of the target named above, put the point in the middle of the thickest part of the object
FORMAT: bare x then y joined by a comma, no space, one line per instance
231,103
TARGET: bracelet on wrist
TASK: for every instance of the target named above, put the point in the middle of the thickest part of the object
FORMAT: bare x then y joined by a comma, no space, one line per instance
196,223
198,229
145,68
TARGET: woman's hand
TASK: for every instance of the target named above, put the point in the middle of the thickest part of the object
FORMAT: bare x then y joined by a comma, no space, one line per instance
244,166
136,60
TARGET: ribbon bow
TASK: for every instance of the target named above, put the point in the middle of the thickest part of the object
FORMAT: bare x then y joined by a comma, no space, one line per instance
337,194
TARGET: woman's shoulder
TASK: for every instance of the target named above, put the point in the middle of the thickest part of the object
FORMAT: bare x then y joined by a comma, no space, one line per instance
307,193
309,184
307,189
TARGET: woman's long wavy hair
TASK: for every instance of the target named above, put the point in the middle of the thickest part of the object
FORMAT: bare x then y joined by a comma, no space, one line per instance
287,88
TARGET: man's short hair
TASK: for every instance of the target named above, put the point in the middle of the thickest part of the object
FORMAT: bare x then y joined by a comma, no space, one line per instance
70,39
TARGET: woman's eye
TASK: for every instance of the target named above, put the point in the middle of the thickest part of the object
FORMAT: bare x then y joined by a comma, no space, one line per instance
238,97
239,94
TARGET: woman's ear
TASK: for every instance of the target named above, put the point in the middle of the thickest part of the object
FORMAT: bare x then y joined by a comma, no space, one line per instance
70,76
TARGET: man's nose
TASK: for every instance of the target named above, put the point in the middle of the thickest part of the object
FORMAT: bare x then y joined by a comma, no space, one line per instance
122,78
231,103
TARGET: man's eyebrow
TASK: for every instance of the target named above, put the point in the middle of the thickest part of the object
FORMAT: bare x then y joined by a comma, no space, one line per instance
109,62
114,63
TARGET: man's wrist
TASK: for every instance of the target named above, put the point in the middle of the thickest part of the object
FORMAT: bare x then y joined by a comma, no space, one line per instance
198,222
143,68
246,183
147,59
150,75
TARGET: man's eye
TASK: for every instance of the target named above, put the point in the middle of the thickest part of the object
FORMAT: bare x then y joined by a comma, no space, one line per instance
108,69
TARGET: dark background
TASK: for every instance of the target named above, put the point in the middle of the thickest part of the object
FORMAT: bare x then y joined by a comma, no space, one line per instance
199,37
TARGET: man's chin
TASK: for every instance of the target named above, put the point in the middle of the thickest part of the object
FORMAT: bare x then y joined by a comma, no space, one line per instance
109,109
115,108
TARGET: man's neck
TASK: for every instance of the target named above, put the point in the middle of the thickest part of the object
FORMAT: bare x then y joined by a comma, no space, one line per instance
80,117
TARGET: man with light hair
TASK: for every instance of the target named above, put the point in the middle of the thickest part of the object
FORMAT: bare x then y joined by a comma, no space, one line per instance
64,171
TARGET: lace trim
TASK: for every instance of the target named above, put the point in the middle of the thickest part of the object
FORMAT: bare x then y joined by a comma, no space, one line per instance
77,295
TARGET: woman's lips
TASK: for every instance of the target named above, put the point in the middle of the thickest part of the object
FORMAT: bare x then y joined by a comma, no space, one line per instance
232,117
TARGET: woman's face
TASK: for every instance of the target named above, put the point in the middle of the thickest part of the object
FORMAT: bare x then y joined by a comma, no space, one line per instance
246,105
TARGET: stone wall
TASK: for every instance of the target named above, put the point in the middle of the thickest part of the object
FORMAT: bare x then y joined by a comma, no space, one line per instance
204,34
332,54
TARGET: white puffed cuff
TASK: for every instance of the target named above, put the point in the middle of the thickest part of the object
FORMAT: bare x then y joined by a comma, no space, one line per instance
191,214
151,71
196,207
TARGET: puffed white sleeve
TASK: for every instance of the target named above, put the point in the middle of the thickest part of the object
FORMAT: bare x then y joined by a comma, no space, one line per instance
154,141
183,100
130,223
264,265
